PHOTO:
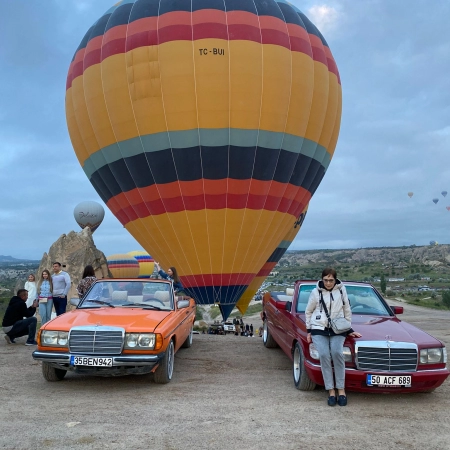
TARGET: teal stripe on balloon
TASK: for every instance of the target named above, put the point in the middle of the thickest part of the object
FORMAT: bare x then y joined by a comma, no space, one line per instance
207,137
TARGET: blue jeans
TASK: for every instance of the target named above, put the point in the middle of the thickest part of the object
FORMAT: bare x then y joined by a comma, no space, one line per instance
24,327
45,311
331,347
60,305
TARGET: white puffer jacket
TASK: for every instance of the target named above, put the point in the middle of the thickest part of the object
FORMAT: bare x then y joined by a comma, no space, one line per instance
316,319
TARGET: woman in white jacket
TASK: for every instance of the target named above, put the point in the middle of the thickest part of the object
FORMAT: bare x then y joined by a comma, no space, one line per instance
30,286
329,344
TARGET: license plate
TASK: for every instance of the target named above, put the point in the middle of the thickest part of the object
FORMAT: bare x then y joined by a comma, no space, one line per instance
90,361
389,380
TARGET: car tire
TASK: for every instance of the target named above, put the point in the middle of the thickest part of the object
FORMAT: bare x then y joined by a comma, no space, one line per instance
188,342
52,373
301,379
163,373
268,340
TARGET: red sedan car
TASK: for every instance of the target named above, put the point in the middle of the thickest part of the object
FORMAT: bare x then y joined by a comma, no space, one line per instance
391,355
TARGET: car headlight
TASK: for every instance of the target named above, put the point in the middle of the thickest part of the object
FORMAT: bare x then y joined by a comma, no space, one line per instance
313,352
347,354
51,338
140,340
432,355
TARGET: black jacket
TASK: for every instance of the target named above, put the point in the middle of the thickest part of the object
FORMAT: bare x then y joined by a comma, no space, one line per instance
16,310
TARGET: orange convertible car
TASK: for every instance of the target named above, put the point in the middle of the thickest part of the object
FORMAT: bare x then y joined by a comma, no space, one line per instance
120,327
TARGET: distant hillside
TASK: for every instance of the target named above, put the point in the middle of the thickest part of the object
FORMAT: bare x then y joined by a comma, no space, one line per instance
437,256
10,259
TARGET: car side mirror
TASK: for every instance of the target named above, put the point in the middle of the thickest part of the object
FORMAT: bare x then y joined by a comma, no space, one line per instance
183,304
74,301
288,306
397,309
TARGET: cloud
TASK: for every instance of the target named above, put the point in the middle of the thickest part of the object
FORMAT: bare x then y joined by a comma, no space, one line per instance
326,18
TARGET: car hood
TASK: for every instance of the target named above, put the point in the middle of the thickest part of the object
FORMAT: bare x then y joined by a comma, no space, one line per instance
391,328
132,319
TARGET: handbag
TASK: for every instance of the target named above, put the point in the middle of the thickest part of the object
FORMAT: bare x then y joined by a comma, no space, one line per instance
339,325
42,299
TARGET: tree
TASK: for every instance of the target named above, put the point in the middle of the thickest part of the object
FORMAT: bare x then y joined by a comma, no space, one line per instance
383,283
446,298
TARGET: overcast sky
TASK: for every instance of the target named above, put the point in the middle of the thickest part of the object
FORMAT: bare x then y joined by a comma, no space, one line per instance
394,62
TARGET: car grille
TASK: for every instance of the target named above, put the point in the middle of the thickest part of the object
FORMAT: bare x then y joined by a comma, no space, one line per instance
96,340
386,356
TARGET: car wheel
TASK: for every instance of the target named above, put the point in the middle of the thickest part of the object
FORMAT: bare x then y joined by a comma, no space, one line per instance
301,378
163,374
188,342
52,373
268,340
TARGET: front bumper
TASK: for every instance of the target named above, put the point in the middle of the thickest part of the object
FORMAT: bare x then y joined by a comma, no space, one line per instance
121,364
355,380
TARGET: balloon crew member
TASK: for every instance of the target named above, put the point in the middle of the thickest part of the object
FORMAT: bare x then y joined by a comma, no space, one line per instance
171,275
328,300
61,285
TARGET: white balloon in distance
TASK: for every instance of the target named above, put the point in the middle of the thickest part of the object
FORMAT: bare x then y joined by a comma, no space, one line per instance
89,214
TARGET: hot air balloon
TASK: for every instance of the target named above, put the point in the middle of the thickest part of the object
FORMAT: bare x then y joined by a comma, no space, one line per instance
89,214
434,243
146,263
435,200
274,258
410,194
122,265
448,208
205,127
444,193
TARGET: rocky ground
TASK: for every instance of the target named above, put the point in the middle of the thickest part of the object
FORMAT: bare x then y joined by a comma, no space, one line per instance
227,392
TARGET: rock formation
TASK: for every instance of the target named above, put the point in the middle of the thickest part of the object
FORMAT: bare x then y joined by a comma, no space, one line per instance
75,251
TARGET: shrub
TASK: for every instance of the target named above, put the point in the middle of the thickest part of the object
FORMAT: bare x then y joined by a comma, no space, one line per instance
446,298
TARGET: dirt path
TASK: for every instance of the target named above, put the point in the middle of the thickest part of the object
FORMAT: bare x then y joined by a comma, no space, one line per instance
227,392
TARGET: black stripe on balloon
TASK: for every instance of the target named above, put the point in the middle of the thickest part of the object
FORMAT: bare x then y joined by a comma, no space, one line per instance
290,15
312,29
174,5
277,254
240,5
185,165
120,16
198,5
143,9
268,8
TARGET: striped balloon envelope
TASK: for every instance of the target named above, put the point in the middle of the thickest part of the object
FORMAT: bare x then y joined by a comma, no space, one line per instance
274,258
205,126
122,265
146,263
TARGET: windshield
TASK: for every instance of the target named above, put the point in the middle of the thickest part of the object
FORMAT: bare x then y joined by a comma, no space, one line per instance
363,300
128,293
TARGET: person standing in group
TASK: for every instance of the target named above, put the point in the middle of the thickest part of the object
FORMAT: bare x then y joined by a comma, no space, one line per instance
329,299
30,286
45,296
171,275
87,281
61,285
14,325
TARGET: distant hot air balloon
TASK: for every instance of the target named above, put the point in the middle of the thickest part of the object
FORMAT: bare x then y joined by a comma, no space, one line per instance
448,208
89,214
410,194
122,265
274,258
434,243
435,200
444,193
146,263
205,127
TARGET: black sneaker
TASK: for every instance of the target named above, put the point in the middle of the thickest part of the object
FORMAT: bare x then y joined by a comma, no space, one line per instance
331,400
342,400
9,340
31,343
